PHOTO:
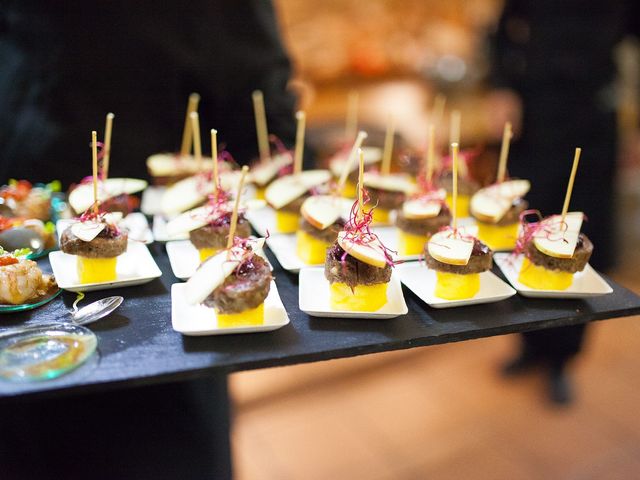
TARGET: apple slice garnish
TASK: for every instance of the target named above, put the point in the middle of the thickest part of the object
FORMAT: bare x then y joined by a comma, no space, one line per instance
371,252
263,172
87,231
322,211
556,239
212,273
81,197
169,164
371,155
425,206
392,183
286,189
490,204
191,191
448,248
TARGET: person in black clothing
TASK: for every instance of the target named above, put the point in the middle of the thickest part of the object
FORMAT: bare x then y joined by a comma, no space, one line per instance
553,66
64,66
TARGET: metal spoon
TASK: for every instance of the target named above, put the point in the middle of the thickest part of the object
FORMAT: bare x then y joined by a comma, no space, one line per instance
86,315
20,237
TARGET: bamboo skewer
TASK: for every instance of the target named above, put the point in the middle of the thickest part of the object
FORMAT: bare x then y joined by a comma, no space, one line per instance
261,125
360,213
351,124
438,109
507,134
454,129
388,146
567,197
346,169
454,194
297,165
187,133
430,154
236,206
107,146
197,143
94,153
214,157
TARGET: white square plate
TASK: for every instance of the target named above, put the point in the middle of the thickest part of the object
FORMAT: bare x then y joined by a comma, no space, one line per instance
152,200
585,284
422,281
314,297
200,320
135,267
136,224
185,258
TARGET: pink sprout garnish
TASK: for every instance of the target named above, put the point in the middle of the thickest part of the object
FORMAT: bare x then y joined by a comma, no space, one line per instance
358,230
90,215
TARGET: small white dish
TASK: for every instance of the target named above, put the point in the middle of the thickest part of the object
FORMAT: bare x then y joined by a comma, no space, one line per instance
135,267
135,223
585,284
421,280
263,220
314,299
185,258
201,320
284,247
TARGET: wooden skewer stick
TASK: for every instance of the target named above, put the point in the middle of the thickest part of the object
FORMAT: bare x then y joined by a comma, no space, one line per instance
214,157
351,124
388,146
187,133
107,145
197,143
346,169
297,165
438,109
454,129
567,197
504,152
94,152
454,194
261,125
236,206
430,154
360,213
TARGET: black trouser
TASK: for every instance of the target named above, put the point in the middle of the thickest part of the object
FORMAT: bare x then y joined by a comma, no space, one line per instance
555,346
170,431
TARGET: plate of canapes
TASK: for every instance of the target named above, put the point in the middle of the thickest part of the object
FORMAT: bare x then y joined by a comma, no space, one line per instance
231,292
552,255
23,286
457,271
96,253
357,280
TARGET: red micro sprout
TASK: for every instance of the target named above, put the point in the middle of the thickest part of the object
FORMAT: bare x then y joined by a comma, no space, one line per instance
358,230
90,215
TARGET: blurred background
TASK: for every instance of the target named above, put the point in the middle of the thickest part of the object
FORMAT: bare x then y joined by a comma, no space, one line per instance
439,412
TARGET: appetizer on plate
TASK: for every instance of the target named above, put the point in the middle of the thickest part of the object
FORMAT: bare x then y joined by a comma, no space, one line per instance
269,166
322,219
21,281
235,283
388,192
425,212
340,161
358,265
497,210
554,249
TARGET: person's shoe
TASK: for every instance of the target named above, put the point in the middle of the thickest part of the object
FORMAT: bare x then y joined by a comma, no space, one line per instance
560,388
520,365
